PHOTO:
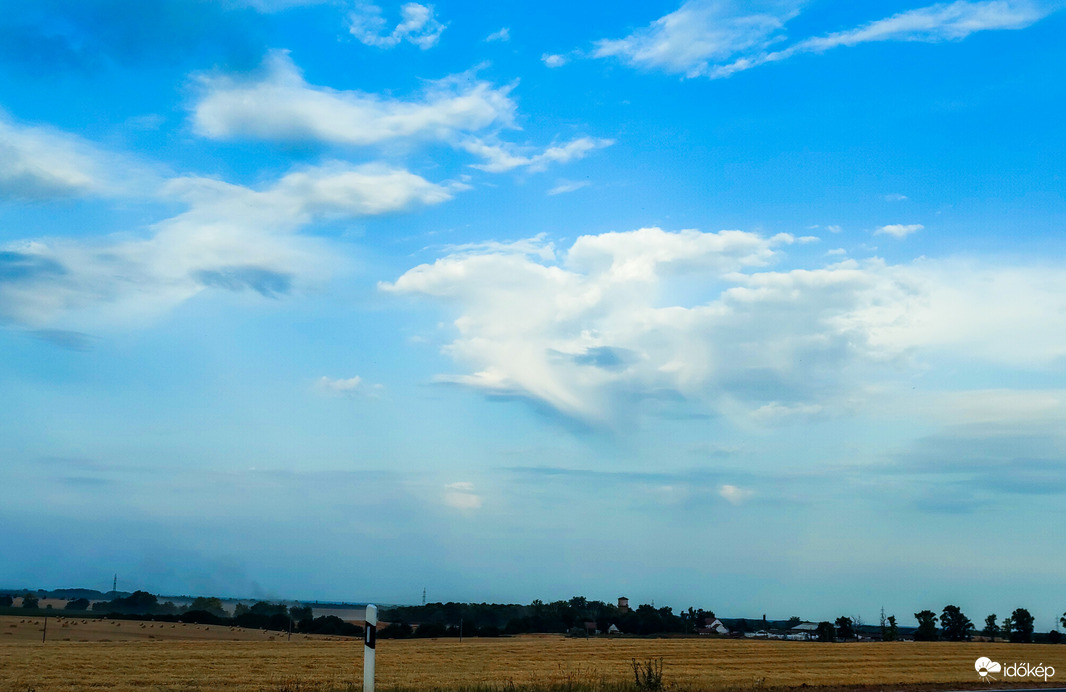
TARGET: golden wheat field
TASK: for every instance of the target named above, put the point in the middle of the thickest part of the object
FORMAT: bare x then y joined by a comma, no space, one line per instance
688,664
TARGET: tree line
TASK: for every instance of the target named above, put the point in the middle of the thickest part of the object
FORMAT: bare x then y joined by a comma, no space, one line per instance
207,611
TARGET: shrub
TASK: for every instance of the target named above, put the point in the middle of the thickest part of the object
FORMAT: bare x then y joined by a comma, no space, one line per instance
648,674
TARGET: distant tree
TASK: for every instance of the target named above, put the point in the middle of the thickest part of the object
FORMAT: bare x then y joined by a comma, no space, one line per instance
845,628
208,604
956,626
793,621
1023,626
926,631
269,609
1054,637
1006,629
1062,620
395,630
240,609
890,630
77,604
6,601
826,632
30,601
991,628
300,613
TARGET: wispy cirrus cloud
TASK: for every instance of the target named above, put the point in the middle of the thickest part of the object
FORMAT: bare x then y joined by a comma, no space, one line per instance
718,38
502,156
278,105
461,111
42,163
347,387
418,25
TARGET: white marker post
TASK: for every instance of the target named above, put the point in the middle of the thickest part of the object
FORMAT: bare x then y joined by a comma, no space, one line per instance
369,642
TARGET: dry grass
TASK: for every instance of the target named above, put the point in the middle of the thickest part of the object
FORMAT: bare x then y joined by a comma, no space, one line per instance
74,629
500,664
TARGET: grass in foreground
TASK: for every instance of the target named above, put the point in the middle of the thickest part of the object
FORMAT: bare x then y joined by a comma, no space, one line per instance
535,664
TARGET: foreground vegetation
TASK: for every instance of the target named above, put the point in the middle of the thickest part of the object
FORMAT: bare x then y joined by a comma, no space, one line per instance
527,663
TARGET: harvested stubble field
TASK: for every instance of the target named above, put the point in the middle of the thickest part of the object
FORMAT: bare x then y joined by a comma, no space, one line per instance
534,663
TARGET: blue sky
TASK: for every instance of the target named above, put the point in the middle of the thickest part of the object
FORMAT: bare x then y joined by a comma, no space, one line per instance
759,306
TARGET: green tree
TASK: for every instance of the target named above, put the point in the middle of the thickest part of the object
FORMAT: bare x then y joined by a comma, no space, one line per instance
1062,620
926,631
845,628
890,632
29,601
794,620
208,604
991,628
1007,628
1023,626
826,632
956,626
6,600
77,604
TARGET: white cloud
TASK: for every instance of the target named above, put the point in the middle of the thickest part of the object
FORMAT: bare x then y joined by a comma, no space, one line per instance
501,157
554,60
565,186
503,35
461,496
718,38
834,229
588,329
701,33
417,25
460,110
733,494
281,106
347,387
39,163
899,230
231,237
894,197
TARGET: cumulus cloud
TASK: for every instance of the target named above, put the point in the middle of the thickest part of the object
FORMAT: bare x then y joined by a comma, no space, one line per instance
40,163
279,105
899,230
417,25
620,317
231,237
554,60
503,35
717,38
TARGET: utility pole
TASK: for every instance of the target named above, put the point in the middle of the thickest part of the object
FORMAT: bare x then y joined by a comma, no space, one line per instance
114,585
44,634
423,595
